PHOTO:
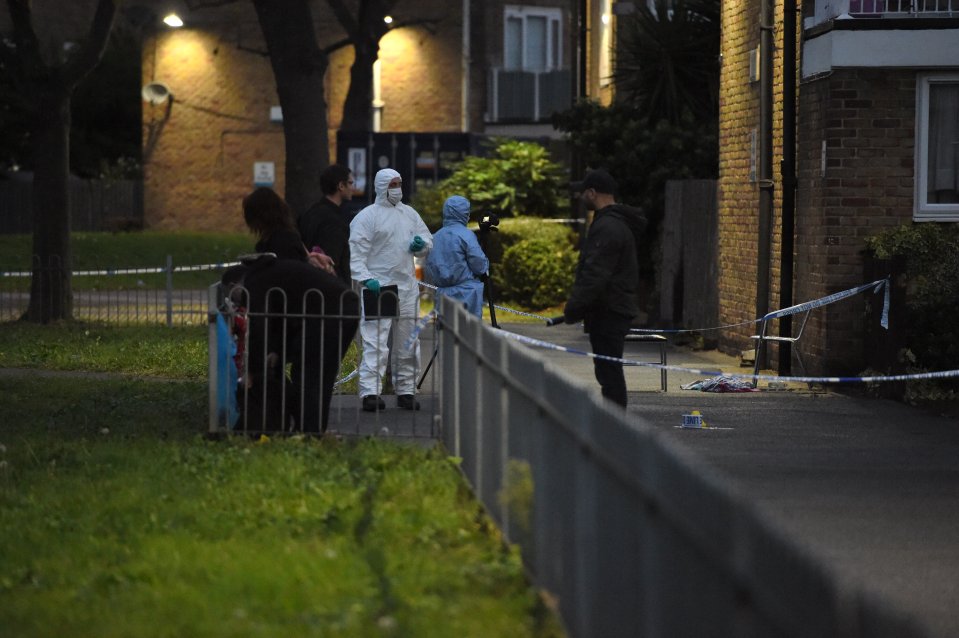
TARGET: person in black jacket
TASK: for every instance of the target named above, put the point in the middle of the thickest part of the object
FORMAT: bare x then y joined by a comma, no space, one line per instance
325,225
604,294
322,317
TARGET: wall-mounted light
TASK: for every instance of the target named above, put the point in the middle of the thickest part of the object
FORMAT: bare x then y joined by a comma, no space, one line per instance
605,18
388,19
173,20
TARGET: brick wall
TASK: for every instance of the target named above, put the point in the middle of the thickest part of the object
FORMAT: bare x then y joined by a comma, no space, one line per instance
867,120
738,196
198,157
421,72
199,150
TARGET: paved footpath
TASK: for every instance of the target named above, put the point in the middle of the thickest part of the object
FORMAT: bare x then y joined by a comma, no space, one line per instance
870,486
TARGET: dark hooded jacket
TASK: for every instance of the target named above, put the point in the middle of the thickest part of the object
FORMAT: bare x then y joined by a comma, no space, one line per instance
607,277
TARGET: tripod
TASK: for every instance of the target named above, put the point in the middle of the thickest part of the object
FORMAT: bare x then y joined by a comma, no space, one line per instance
488,223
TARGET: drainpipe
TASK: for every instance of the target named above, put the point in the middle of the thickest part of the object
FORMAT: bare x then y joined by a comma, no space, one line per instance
583,43
465,105
788,181
764,247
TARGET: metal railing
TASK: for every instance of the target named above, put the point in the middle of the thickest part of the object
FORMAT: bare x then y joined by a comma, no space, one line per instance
283,365
630,535
150,295
903,8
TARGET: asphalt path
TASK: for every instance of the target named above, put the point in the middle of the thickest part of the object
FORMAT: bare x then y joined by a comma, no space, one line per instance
868,485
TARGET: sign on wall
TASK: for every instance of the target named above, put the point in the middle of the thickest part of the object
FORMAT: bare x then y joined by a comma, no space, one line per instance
264,174
356,161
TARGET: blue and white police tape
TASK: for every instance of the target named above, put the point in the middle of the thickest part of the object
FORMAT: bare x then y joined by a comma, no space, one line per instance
798,308
418,328
343,380
503,308
110,272
943,374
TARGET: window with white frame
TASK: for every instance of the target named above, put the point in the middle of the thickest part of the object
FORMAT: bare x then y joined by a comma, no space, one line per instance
532,38
937,148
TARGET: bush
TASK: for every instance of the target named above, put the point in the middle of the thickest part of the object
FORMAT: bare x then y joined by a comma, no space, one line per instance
932,290
536,273
513,231
518,179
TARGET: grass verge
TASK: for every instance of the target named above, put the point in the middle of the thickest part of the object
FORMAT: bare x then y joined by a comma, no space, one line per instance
118,520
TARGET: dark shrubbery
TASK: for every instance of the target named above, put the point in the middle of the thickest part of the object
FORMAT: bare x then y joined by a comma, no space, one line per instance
931,253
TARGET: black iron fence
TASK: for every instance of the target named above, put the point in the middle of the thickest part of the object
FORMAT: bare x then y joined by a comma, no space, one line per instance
96,204
165,294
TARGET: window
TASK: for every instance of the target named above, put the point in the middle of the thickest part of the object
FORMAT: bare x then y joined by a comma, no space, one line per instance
532,39
937,148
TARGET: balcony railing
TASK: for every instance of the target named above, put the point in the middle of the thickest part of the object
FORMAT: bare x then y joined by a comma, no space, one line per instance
838,9
903,8
527,96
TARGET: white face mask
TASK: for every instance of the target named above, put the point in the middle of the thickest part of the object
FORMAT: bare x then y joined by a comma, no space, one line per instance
394,195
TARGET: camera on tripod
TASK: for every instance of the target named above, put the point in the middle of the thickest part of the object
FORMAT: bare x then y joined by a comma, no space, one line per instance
489,222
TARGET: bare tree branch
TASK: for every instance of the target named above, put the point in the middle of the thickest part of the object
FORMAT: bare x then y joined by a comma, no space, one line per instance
336,46
429,24
193,5
28,47
343,15
91,50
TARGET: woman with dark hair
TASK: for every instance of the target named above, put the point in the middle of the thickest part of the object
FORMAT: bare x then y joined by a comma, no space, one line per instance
271,220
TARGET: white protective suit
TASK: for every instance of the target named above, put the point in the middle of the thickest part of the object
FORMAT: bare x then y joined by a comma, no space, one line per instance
380,237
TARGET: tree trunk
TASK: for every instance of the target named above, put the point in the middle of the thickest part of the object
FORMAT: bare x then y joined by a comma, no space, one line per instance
51,297
298,68
357,110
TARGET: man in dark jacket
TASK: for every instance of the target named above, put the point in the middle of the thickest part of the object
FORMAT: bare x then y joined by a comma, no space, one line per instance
326,225
604,294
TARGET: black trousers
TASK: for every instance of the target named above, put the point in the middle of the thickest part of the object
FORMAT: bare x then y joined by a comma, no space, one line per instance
607,336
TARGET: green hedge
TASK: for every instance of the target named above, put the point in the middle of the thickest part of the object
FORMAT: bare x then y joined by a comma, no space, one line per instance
533,262
536,273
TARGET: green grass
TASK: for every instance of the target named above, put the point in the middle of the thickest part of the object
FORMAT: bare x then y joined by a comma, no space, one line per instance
137,350
118,519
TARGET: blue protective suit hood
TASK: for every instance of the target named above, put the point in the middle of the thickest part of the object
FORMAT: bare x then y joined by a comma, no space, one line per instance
456,210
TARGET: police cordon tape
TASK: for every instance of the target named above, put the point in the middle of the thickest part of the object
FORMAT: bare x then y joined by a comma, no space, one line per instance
816,303
943,374
128,271
875,286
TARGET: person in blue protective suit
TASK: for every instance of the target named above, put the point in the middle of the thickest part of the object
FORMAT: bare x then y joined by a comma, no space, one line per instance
384,237
457,265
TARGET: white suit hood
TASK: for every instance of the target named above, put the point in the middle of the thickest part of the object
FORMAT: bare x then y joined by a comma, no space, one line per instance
380,237
381,184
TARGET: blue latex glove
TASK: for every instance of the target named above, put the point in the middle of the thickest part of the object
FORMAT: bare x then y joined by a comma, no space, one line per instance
373,285
417,244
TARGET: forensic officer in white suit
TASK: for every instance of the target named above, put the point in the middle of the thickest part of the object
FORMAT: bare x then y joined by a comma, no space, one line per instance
384,238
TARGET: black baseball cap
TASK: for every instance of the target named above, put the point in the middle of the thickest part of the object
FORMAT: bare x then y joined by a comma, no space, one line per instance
599,180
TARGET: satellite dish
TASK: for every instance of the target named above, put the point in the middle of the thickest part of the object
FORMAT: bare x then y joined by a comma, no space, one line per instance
156,93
